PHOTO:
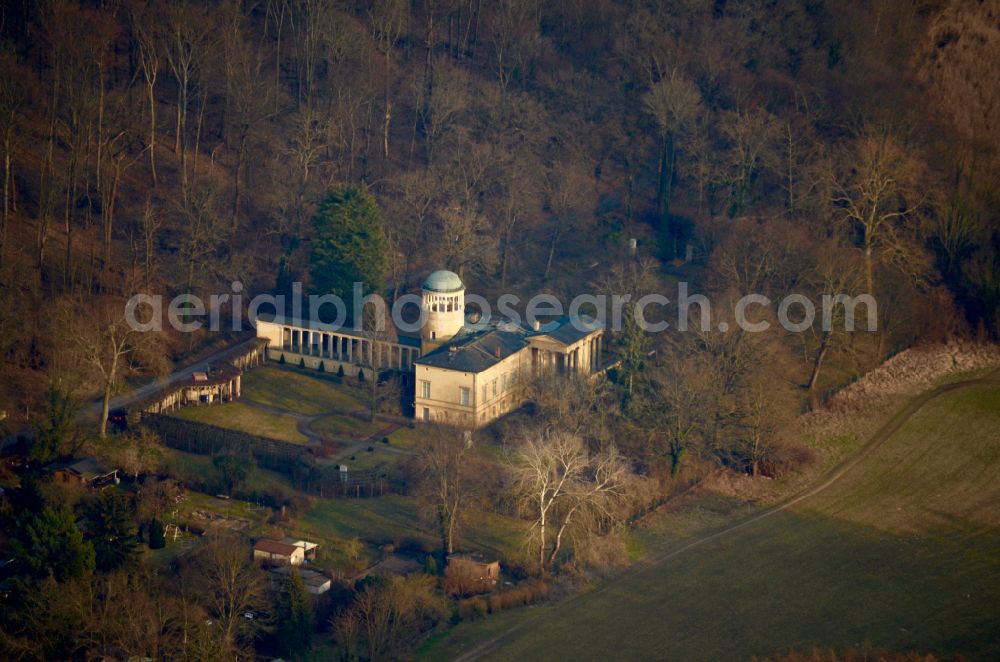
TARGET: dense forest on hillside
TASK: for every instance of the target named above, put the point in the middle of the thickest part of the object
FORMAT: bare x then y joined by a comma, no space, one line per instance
797,150
178,147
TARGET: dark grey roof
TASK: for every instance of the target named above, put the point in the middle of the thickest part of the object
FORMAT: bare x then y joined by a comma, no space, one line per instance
89,468
570,329
476,352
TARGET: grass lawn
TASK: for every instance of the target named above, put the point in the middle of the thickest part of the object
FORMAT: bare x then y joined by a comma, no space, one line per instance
246,418
378,520
378,457
340,425
406,437
198,469
902,553
288,389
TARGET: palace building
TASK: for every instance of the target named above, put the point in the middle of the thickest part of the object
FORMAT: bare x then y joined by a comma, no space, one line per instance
464,372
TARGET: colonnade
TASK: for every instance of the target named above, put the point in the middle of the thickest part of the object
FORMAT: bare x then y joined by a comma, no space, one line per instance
348,349
584,358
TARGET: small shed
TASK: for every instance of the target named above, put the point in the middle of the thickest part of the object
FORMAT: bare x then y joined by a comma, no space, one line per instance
475,568
315,583
274,551
87,471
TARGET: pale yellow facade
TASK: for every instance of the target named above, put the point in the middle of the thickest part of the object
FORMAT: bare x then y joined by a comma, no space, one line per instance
470,399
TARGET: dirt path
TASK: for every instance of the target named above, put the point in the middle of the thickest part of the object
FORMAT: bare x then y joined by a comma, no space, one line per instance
877,439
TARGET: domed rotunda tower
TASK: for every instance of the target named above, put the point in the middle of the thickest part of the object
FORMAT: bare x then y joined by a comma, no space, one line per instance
444,306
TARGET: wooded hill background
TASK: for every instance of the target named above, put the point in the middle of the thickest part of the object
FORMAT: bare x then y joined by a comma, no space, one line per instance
176,147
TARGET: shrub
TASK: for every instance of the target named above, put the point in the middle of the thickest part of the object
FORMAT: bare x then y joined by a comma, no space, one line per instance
525,593
361,375
385,440
471,609
340,371
430,565
321,367
157,539
302,363
787,459
281,359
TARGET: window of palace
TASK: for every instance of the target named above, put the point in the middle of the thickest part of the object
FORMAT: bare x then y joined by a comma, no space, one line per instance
425,389
465,395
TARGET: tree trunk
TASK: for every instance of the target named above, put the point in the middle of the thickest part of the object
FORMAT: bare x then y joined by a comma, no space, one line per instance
869,268
105,407
661,180
552,250
6,193
68,217
237,177
558,544
814,376
452,525
177,127
668,184
45,183
541,534
152,131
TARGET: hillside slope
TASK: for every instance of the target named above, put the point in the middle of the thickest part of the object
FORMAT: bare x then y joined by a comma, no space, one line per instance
900,552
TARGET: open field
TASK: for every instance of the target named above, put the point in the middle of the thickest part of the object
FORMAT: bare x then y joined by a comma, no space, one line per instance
902,553
246,418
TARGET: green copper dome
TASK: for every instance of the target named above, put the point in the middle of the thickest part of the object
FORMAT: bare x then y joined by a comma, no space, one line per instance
443,281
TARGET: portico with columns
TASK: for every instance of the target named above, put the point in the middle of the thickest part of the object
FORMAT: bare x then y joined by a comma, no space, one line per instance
312,343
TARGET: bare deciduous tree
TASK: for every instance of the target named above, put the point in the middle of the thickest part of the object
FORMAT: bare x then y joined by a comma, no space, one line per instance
560,482
13,96
675,103
182,36
229,585
143,25
751,135
876,193
386,618
834,275
446,467
112,348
